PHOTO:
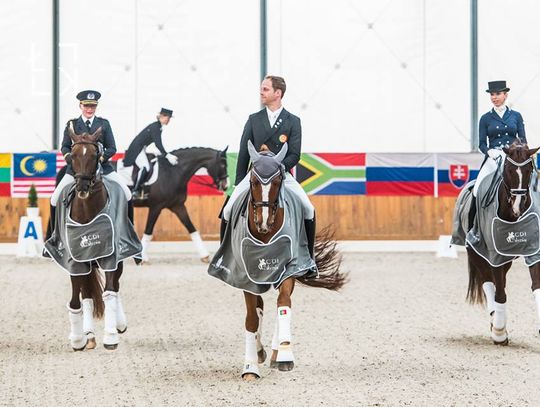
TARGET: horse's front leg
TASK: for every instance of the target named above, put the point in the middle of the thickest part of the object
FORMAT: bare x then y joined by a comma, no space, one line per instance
121,319
282,354
535,286
253,327
153,215
499,334
77,338
181,212
110,299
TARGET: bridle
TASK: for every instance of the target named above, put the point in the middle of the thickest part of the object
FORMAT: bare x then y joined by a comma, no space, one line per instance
518,191
272,205
91,178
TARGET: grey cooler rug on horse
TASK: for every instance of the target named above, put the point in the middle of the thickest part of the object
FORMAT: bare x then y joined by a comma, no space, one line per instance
108,239
496,240
244,262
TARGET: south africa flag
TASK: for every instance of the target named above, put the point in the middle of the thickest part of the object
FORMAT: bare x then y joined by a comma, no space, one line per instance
332,173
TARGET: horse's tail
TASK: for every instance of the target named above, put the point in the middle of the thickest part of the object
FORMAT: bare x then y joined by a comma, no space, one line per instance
96,284
328,260
475,293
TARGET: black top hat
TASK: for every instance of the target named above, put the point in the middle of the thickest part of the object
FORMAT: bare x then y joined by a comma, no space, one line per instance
89,97
166,112
497,86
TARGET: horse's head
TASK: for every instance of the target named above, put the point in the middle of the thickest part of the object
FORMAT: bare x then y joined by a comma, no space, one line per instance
217,169
266,178
85,155
517,171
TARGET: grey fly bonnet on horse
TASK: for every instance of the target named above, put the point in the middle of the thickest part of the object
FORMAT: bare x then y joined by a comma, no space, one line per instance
266,165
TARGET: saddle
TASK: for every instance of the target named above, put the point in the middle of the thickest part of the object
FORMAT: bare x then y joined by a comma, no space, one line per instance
130,173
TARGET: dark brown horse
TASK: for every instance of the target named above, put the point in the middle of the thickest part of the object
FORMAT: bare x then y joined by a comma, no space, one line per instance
486,282
97,299
265,219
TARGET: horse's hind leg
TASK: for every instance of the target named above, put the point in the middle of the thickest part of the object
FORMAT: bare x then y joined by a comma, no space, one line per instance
535,286
499,334
181,212
75,313
153,215
285,357
110,332
251,366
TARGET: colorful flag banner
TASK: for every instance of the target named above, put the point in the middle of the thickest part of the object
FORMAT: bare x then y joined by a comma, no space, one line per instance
400,174
332,173
38,169
5,174
454,171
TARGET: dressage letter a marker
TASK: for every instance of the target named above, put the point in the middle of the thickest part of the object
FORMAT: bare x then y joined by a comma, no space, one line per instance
31,231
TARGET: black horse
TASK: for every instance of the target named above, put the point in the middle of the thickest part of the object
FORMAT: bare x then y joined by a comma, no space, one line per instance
170,189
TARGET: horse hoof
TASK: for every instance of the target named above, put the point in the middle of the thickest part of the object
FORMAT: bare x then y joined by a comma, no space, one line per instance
205,259
91,344
79,349
261,355
285,366
110,347
249,377
503,343
273,364
120,331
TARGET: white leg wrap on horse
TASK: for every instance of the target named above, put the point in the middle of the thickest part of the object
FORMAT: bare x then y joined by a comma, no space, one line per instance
145,241
275,337
110,334
499,316
88,315
284,321
260,314
489,292
536,294
199,245
251,360
121,320
77,338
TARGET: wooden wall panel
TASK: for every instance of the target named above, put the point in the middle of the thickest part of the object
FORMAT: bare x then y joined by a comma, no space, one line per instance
353,217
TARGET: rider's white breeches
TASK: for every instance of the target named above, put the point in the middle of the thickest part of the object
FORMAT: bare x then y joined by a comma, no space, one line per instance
142,160
489,167
68,179
290,183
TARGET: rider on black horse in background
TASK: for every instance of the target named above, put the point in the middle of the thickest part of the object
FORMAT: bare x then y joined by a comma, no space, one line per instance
272,127
136,152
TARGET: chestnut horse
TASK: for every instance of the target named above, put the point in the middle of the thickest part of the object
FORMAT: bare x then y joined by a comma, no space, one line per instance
486,282
265,219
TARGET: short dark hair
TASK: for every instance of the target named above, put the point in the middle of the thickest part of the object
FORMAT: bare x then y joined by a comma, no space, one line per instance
278,83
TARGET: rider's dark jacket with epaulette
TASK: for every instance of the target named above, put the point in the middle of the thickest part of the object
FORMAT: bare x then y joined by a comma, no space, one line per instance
494,131
150,134
257,129
106,139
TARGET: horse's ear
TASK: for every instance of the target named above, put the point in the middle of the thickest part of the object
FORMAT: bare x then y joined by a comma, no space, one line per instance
282,153
224,152
532,151
253,154
97,134
74,137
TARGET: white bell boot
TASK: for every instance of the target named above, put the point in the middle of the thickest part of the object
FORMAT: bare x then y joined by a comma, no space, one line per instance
88,322
77,338
250,357
145,241
110,333
121,320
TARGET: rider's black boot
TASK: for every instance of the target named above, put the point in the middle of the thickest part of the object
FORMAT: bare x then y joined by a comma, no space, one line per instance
310,233
130,211
138,189
50,225
472,212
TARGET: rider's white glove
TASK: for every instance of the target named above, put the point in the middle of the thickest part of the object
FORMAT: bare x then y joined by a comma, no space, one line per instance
172,158
494,153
